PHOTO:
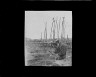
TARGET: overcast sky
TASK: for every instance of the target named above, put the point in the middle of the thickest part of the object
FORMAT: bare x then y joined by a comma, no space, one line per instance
34,22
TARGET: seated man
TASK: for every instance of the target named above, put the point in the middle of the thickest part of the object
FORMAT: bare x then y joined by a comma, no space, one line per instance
61,51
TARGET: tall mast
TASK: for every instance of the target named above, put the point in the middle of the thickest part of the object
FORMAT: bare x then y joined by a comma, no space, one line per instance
53,28
51,33
45,32
57,29
63,29
59,24
41,35
67,36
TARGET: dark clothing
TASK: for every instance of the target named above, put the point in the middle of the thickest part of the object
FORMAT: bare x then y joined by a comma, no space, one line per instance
61,51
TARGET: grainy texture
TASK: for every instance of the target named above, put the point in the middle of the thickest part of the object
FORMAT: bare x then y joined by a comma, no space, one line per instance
42,54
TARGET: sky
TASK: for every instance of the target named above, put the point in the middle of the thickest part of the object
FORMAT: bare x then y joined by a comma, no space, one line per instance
35,22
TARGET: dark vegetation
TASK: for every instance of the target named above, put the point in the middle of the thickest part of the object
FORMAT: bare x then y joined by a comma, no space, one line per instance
47,58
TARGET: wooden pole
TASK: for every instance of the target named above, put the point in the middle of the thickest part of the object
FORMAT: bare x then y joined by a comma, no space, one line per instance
51,33
63,28
45,32
59,24
67,36
57,29
53,28
41,35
